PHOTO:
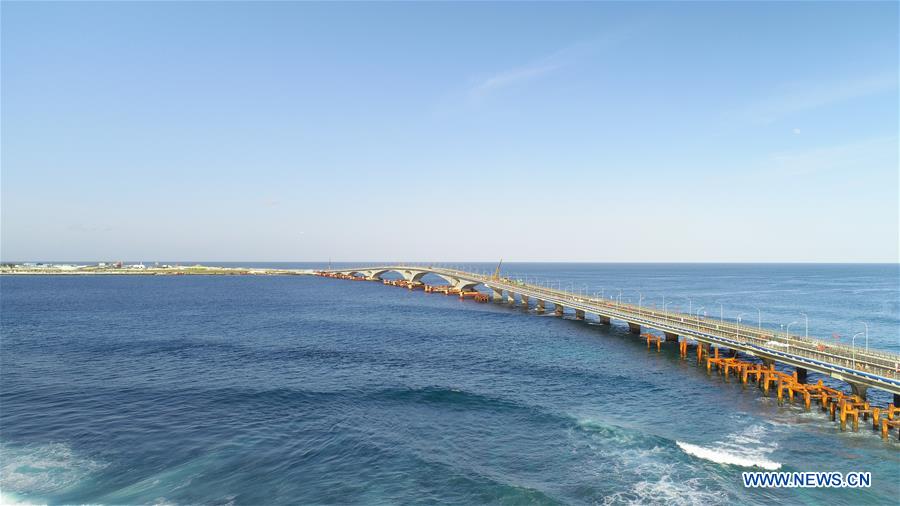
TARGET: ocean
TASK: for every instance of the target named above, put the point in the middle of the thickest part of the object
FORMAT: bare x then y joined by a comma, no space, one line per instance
306,390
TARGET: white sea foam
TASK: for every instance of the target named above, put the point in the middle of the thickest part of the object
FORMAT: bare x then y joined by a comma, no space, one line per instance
749,447
667,491
12,500
619,454
721,456
38,470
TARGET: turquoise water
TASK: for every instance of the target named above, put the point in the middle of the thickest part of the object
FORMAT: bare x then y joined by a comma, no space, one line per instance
287,390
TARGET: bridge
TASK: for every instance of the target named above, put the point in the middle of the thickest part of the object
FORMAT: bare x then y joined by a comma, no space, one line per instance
860,368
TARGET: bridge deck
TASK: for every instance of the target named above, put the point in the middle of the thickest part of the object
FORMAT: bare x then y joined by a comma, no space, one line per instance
875,368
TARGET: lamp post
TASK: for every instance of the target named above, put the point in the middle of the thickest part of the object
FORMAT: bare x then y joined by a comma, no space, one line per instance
806,320
787,334
666,308
721,310
867,336
698,317
737,329
853,346
759,315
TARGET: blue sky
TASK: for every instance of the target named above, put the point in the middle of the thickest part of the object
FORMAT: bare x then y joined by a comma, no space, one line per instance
452,132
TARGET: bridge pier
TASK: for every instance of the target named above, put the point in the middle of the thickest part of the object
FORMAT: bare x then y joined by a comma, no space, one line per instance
875,373
859,390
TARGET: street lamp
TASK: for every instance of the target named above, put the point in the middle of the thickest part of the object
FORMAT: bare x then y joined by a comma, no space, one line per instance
853,346
666,308
640,300
721,310
806,319
698,316
867,336
737,329
619,299
787,334
759,315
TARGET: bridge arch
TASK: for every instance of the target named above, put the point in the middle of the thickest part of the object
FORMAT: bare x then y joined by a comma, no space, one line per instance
418,276
381,272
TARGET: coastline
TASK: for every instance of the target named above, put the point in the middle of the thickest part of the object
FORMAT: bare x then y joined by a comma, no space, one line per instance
195,270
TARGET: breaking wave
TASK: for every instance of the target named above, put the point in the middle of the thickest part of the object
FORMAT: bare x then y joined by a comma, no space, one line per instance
745,449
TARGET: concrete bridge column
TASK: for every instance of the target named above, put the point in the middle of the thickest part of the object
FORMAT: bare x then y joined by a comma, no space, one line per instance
540,306
557,310
801,374
524,301
603,319
671,337
858,389
496,295
634,328
511,298
896,400
579,314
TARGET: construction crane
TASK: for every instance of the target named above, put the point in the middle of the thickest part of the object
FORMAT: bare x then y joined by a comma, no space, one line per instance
496,276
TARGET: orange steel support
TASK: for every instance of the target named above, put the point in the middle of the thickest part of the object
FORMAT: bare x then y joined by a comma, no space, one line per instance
887,425
651,339
849,409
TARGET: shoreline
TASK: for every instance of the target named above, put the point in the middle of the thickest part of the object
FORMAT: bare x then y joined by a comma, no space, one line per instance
171,271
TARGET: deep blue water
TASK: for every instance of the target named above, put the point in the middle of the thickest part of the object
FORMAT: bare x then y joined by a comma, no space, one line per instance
290,390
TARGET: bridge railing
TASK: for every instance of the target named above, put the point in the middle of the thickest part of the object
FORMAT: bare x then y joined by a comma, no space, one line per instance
874,361
883,363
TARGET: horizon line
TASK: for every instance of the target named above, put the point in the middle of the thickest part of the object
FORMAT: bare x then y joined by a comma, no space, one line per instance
420,262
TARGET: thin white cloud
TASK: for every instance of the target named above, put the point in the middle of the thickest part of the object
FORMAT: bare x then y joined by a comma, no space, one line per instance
540,67
514,76
808,96
856,156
